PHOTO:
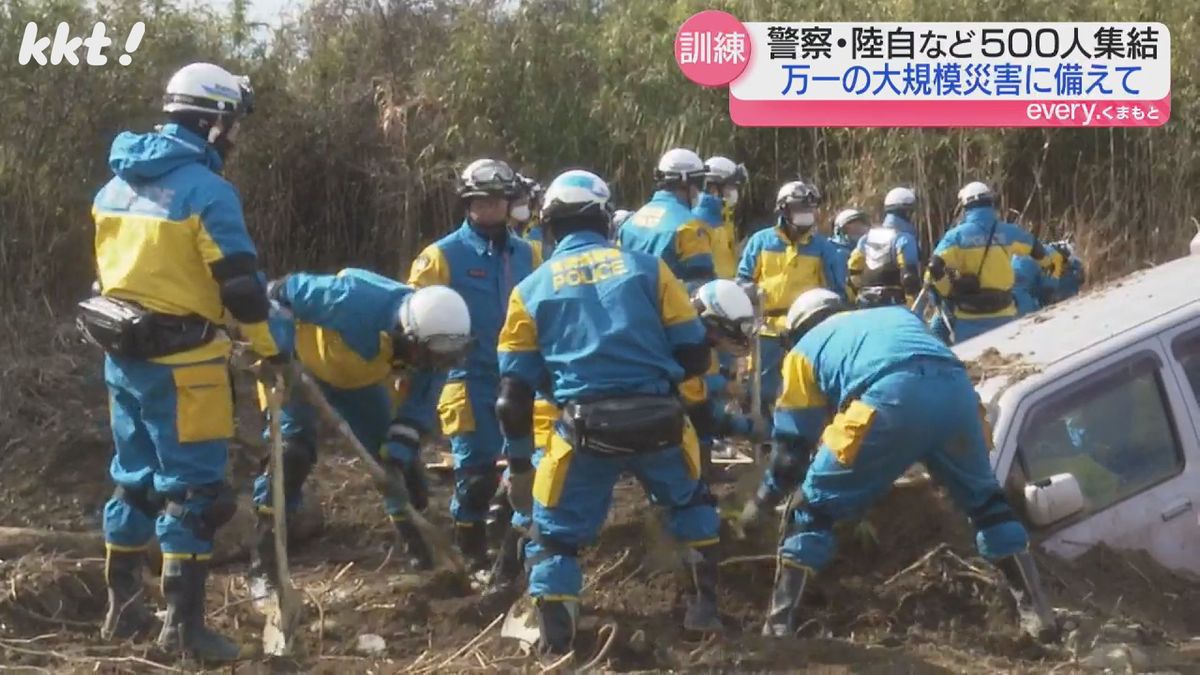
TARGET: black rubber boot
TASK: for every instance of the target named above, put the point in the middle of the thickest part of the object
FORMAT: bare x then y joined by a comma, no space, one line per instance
783,613
506,576
416,551
127,614
1036,617
556,624
701,615
499,522
183,583
471,539
264,569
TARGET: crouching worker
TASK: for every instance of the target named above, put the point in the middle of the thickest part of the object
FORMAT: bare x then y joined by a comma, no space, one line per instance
728,318
615,334
900,397
175,263
352,332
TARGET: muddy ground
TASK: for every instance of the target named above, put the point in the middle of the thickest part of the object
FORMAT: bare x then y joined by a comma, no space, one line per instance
916,600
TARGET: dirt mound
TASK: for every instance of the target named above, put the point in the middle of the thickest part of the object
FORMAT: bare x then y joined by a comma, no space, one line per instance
914,597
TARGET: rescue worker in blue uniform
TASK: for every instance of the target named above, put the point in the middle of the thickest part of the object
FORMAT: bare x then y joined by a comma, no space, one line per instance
1033,287
523,216
666,227
175,263
873,392
723,180
782,262
614,333
729,324
483,263
884,268
354,332
971,268
849,225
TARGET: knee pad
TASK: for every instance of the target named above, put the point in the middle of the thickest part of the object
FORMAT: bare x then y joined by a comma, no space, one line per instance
204,522
298,459
478,489
142,499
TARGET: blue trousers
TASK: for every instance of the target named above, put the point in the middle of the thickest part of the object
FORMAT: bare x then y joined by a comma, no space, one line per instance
929,413
573,492
171,427
368,411
965,329
467,410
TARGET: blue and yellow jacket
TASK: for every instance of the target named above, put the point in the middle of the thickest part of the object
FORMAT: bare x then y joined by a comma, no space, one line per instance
535,234
340,327
842,247
600,321
963,249
667,229
784,269
713,211
884,257
833,364
484,274
1032,285
169,228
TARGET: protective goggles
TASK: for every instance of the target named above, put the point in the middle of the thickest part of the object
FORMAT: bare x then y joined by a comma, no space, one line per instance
491,179
443,351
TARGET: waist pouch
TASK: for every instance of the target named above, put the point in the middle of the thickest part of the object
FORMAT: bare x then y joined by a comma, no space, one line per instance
126,329
983,301
625,426
879,296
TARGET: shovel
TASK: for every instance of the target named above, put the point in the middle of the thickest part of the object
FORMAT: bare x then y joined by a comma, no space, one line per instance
756,373
281,606
387,483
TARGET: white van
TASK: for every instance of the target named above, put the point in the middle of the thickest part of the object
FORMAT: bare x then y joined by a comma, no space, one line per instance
1093,406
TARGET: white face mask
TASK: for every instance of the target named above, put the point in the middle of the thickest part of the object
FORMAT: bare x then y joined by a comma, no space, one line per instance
731,196
521,213
803,219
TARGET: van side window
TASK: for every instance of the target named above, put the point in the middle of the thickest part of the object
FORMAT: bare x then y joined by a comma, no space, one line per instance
1113,432
1187,351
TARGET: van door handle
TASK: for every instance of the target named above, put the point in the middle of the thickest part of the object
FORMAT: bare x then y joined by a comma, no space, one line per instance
1177,510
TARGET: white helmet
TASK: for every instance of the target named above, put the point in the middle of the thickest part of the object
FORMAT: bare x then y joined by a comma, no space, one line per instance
620,216
722,171
900,199
206,88
679,167
436,320
576,193
810,308
975,193
726,310
845,217
797,192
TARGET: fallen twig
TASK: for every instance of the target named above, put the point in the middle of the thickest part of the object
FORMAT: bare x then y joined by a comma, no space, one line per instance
320,621
604,571
738,559
559,663
6,644
474,641
923,559
386,560
608,643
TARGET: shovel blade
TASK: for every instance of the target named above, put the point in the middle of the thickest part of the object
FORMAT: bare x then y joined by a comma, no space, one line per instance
521,622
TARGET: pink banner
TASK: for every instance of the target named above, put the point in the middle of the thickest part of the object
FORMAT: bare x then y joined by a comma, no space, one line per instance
943,113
